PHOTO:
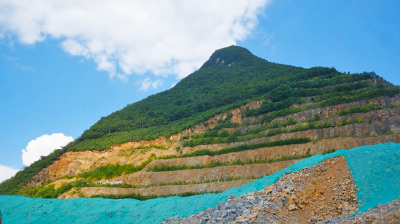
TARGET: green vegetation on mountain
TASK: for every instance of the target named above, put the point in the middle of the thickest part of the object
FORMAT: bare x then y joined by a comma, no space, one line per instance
12,185
332,99
49,191
163,168
287,94
240,148
231,78
109,171
213,137
327,98
363,109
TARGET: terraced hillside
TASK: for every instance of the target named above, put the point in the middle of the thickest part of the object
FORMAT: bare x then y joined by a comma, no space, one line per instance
275,117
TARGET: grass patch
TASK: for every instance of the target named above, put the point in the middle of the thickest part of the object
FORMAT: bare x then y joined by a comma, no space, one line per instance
152,146
234,163
241,148
109,171
66,177
335,99
364,109
234,137
227,179
328,151
49,191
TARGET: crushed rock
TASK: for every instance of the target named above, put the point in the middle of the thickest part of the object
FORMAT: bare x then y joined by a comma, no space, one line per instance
310,195
383,214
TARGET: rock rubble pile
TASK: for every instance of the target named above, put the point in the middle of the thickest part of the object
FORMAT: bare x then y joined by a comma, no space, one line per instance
311,195
383,214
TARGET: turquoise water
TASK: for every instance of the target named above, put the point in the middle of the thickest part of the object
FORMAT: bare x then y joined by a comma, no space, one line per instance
376,170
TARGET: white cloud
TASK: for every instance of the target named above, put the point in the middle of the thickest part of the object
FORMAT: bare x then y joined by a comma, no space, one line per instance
75,48
146,83
43,146
161,36
173,84
6,172
122,77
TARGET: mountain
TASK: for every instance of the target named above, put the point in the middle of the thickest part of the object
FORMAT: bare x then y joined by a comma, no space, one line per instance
218,117
231,77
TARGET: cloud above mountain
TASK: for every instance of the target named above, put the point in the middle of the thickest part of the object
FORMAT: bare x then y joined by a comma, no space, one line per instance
6,172
43,146
146,83
124,37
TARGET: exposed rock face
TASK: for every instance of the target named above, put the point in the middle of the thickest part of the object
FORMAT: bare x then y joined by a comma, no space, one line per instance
222,172
161,141
334,110
379,80
256,170
375,129
377,123
392,124
262,153
74,163
312,148
356,130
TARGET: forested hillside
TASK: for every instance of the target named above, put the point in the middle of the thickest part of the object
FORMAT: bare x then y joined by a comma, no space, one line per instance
231,78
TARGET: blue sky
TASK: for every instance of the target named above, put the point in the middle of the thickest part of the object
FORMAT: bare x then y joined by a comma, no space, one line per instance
58,79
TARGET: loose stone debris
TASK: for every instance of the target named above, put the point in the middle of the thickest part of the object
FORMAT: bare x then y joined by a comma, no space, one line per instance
311,195
383,214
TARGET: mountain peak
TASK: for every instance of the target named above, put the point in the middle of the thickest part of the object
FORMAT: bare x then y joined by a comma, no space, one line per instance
229,56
